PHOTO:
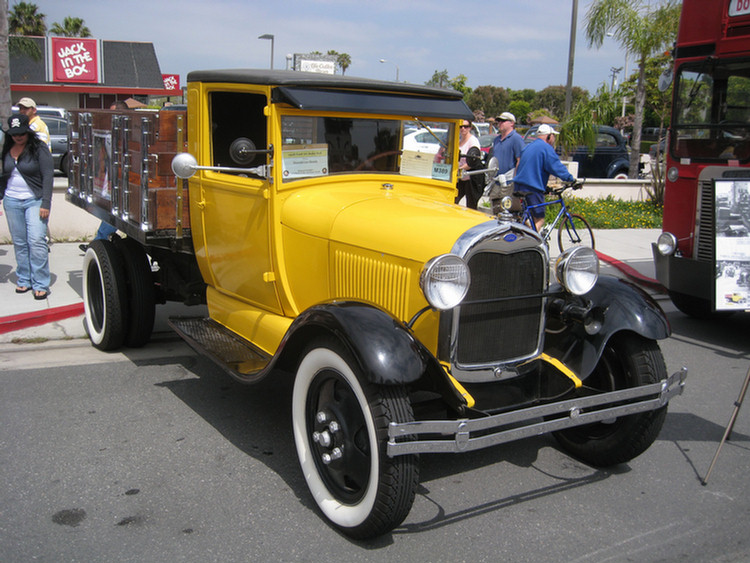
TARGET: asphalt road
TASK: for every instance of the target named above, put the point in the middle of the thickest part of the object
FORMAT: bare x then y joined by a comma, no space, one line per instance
156,455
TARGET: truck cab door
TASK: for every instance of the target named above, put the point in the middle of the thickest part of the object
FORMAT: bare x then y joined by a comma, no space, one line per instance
235,206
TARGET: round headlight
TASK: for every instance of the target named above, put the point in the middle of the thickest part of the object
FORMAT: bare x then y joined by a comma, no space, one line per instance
673,174
666,244
577,269
445,281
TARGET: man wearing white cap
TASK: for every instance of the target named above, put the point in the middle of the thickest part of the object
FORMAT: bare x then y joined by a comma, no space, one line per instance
538,161
27,107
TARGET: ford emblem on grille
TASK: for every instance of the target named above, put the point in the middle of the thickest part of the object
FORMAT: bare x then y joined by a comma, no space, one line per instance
510,237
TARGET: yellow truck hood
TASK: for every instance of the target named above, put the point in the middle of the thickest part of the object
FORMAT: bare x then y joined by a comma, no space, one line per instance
400,224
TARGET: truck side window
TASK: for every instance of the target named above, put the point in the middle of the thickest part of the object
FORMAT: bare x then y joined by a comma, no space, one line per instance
236,115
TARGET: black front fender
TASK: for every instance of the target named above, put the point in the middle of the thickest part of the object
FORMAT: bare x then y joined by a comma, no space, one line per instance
383,347
621,305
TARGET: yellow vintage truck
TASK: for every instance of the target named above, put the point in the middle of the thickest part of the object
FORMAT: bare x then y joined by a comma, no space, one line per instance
326,247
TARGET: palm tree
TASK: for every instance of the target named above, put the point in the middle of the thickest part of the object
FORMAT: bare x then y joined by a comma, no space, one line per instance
24,19
71,27
5,101
643,31
343,60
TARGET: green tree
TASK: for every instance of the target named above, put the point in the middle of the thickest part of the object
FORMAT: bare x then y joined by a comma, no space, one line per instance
459,83
71,27
439,79
552,98
525,95
493,100
643,30
580,127
521,109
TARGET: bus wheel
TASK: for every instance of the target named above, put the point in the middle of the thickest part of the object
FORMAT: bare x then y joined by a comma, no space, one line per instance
695,306
340,425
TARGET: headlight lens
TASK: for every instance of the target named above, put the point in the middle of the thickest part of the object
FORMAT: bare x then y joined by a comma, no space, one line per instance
445,281
577,269
666,244
673,174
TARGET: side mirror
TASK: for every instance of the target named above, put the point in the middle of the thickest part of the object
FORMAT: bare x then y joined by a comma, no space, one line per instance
184,165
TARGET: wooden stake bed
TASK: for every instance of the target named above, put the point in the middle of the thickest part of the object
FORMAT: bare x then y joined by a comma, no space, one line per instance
121,170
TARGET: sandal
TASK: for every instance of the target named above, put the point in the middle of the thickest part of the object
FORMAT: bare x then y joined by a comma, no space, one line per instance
41,295
22,289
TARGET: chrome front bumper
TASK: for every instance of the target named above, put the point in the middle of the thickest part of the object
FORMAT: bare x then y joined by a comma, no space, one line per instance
455,436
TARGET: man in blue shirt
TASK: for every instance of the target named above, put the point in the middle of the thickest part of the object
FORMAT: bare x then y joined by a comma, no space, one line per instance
507,148
538,161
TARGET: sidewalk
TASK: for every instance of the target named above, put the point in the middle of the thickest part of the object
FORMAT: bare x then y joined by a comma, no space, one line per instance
623,252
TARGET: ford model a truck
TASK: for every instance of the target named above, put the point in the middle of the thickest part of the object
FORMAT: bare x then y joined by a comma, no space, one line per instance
324,248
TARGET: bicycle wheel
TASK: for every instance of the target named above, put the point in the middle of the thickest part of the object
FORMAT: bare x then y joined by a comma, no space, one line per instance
574,231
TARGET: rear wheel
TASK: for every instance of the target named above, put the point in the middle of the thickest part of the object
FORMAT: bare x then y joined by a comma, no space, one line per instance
340,425
574,231
104,295
628,360
141,299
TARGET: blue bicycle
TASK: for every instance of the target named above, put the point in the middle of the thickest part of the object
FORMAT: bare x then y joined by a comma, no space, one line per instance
572,229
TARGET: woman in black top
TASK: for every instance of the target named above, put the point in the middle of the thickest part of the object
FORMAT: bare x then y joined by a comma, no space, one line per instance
26,191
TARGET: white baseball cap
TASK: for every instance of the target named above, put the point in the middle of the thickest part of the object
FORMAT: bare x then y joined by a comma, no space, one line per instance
545,129
506,116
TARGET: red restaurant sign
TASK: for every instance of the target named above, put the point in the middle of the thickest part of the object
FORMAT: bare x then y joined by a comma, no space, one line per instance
171,81
75,59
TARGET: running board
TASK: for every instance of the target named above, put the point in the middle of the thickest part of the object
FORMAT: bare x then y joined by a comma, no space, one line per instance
463,435
240,358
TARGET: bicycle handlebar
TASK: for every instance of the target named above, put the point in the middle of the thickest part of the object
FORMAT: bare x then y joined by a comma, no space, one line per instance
574,185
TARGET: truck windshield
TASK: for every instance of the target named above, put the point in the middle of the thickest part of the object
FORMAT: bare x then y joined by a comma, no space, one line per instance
712,116
321,146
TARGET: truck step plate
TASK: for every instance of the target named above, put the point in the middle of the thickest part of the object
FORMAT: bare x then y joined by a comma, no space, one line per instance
236,355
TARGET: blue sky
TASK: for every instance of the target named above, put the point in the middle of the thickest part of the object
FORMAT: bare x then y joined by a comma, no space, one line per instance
515,44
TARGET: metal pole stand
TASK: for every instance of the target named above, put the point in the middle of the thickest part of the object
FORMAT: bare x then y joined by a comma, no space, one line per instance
728,431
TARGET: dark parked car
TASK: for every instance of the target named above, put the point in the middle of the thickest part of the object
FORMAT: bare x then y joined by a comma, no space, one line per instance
58,134
611,158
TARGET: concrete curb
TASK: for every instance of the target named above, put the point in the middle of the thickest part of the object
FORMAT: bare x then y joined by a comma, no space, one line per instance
38,318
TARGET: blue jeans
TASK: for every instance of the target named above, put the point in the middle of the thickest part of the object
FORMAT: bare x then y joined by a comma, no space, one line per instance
28,232
104,231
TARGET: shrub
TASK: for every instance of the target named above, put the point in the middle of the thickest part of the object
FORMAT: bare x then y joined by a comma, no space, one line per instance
612,213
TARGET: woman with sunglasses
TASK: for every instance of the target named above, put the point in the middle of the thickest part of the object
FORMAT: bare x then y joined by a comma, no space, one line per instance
26,191
466,187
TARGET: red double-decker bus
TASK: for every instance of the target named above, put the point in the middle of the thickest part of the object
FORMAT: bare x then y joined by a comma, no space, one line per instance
703,255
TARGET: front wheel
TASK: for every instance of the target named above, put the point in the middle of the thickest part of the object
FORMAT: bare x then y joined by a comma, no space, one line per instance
628,360
340,425
574,231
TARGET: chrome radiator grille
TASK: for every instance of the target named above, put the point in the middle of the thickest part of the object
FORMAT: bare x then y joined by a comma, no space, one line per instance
492,329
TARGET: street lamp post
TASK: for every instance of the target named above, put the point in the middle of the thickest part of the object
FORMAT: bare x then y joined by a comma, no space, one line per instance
268,36
394,64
